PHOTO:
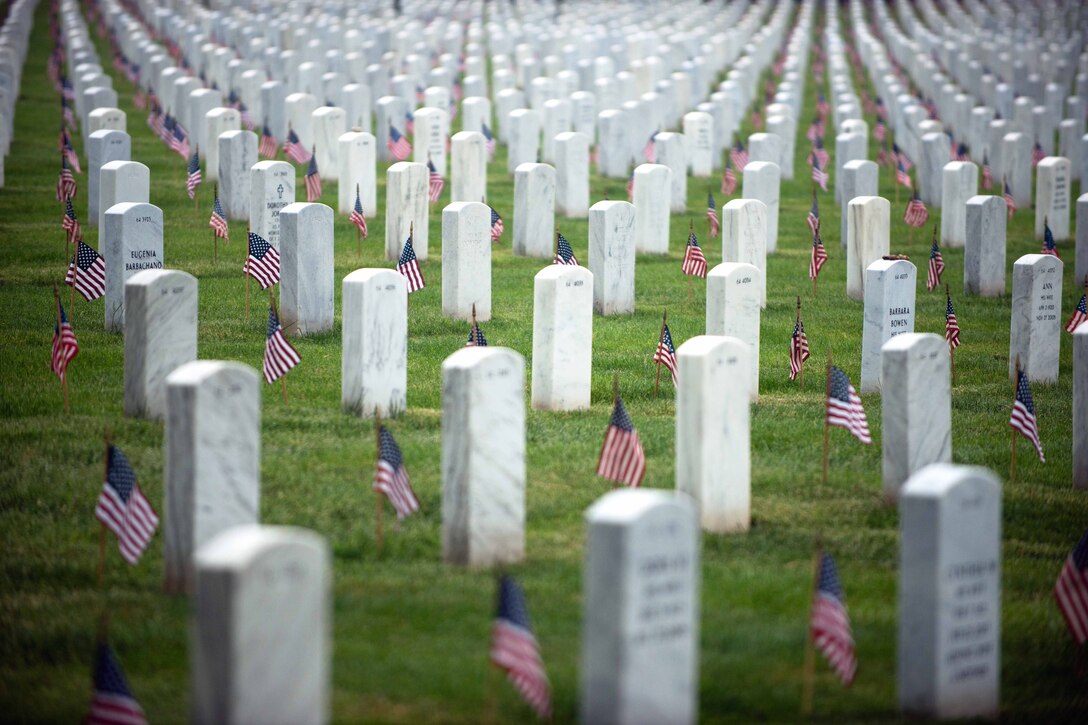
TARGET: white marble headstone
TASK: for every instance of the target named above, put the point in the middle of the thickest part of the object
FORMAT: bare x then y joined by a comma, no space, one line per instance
572,174
1080,407
612,257
237,154
406,208
217,121
959,184
121,181
466,260
1053,197
890,287
761,182
102,148
670,150
468,166
984,252
374,367
356,159
733,309
132,236
744,237
534,210
1036,324
523,138
306,263
857,178
867,239
562,338
651,194
272,187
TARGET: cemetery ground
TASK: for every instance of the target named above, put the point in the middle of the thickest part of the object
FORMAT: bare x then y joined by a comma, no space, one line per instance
411,634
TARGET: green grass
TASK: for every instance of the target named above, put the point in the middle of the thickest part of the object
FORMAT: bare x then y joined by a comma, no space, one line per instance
411,633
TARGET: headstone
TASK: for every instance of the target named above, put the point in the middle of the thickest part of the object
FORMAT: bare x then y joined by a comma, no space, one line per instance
848,147
640,622
556,119
572,174
651,193
949,653
217,121
121,181
1080,407
1016,149
468,167
299,109
613,146
959,184
785,128
1081,255
483,457
389,113
113,119
984,253
890,287
1035,335
212,459
272,187
612,257
916,407
867,230
761,182
374,366
306,263
699,135
431,136
328,125
1052,197
733,309
356,97
132,236
523,138
237,154
744,238
935,154
766,147
562,338
160,335
466,260
356,159
534,210
406,206
669,151
857,178
199,103
272,668
273,100
102,148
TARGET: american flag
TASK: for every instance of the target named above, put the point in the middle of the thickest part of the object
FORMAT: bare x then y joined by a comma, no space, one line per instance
279,355
916,214
154,117
563,252
813,217
818,257
70,153
66,183
901,175
179,142
497,227
357,217
729,179
112,703
739,156
1071,591
263,262
901,158
883,158
514,649
1037,154
631,186
822,106
87,272
268,146
313,181
830,629
218,221
69,223
844,406
881,111
798,348
816,128
1049,247
951,326
65,346
622,459
650,151
409,122
819,176
936,265
880,132
694,262
665,354
246,117
960,152
398,145
489,140
294,148
476,336
408,265
123,509
819,153
987,175
435,182
1023,413
69,116
139,99
194,177
391,478
712,215
757,120
1010,203
1080,314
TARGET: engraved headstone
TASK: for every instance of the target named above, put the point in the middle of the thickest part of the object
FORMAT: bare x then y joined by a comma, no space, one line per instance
857,178
356,159
1035,335
733,309
762,182
651,194
102,148
237,154
1052,197
406,208
272,187
612,257
890,287
523,138
534,210
306,263
572,174
217,121
960,183
562,337
121,181
374,367
984,252
132,235
328,125
468,166
466,260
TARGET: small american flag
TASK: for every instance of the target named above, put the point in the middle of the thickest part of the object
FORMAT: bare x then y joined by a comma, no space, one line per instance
819,153
65,346
179,142
313,181
665,354
69,116
408,265
563,252
739,156
268,146
960,152
514,649
798,348
712,215
1071,591
951,326
1010,203
987,175
880,132
497,226
830,629
813,217
649,151
87,272
489,141
112,703
123,509
901,158
631,186
245,116
818,257
916,214
409,122
154,117
1023,413
218,221
622,459
822,106
1080,314
139,99
936,265
357,217
757,120
1049,247
820,176
694,262
901,175
881,111
70,153
1037,154
476,336
883,158
69,223
844,406
66,182
263,262
729,179
279,355
294,148
398,145
391,478
194,178
435,182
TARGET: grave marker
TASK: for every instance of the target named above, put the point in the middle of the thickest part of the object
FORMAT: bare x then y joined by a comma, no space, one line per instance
132,234
733,310
890,287
466,260
272,187
867,230
306,282
612,257
1036,323
534,210
374,366
562,338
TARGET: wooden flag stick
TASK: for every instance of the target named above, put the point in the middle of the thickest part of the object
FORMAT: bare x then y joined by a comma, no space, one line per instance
378,494
102,529
816,278
615,399
802,362
358,231
247,274
808,677
275,308
63,378
196,191
951,350
827,396
657,379
1012,456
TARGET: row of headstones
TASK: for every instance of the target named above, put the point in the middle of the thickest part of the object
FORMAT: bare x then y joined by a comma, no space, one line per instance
14,42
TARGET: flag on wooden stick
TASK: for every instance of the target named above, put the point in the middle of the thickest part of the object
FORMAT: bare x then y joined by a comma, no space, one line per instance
66,182
391,478
87,272
1071,592
830,627
112,702
218,220
357,217
65,346
1049,247
514,649
936,264
694,262
263,262
844,407
408,265
951,326
313,181
123,509
564,254
622,459
279,355
1080,314
665,354
712,216
194,178
1023,413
